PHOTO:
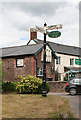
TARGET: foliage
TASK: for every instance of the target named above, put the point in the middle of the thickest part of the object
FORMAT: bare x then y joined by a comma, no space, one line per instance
65,78
0,68
56,76
47,88
8,86
0,75
30,84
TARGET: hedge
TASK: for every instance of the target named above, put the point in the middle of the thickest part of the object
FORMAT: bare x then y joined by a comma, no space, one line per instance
28,84
9,86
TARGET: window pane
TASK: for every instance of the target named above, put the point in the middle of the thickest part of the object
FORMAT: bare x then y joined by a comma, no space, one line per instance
19,62
76,81
39,71
71,61
58,60
52,70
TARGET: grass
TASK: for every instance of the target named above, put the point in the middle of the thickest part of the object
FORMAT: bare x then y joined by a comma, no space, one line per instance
35,106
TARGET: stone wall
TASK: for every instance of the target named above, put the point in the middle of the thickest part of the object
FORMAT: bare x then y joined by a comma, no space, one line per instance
57,86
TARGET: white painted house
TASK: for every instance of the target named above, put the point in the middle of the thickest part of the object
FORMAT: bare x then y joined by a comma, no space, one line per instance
68,56
66,62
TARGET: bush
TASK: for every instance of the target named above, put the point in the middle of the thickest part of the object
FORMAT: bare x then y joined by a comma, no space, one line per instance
30,84
8,86
65,78
40,88
56,76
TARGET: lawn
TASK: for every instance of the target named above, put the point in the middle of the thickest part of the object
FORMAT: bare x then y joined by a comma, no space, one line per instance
35,106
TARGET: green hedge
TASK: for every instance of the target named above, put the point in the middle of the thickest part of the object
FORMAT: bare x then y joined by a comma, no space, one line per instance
8,86
30,84
0,86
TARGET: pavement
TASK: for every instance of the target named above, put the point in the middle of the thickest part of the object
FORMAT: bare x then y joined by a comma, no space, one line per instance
75,102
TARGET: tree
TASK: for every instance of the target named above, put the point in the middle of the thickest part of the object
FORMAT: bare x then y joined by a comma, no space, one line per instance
56,76
0,75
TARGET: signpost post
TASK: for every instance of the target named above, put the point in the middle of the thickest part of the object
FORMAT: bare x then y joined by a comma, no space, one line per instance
53,34
44,66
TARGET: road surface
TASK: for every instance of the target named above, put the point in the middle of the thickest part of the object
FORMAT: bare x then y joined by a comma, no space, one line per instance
75,102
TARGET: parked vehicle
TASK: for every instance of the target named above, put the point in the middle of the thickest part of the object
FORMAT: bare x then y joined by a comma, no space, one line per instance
73,86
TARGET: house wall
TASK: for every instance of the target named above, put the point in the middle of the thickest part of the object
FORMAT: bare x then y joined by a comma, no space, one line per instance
48,54
12,72
8,68
48,65
64,62
31,42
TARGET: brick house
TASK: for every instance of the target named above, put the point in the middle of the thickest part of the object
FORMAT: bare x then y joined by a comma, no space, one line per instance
27,59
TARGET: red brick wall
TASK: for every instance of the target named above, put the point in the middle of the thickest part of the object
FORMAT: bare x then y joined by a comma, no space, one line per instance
12,72
8,68
48,66
33,35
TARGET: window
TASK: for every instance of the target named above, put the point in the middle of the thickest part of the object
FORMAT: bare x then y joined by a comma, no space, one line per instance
58,60
77,81
71,61
39,71
52,70
19,62
48,54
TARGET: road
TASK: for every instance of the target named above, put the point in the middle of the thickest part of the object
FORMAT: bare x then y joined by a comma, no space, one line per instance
75,102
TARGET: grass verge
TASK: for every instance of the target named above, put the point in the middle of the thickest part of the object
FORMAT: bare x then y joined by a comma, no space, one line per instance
35,106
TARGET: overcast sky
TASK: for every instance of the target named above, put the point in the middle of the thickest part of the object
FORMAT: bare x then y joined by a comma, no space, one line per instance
17,17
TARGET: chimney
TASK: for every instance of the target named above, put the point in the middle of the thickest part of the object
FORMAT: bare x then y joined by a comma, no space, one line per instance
33,34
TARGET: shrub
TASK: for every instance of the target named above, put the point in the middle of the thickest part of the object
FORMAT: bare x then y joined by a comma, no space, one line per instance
65,78
8,86
30,84
2,73
40,88
56,76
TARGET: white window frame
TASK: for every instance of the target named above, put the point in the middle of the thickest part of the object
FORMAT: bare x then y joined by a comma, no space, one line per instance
48,55
39,72
19,62
58,60
71,61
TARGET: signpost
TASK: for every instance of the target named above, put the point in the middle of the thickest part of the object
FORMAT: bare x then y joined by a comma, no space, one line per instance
53,34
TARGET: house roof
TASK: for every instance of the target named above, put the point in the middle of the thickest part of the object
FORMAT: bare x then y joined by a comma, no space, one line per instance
63,49
24,50
21,50
35,48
